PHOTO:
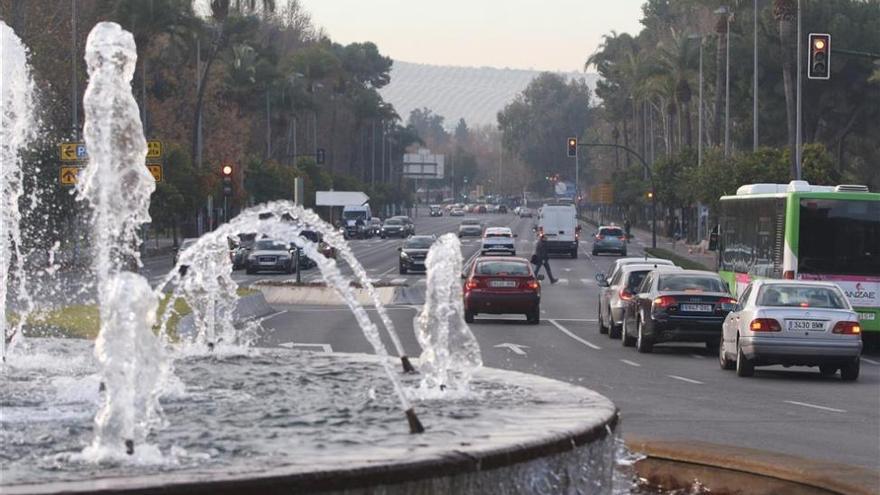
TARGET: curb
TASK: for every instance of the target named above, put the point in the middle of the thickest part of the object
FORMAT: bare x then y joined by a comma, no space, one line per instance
320,296
248,308
821,476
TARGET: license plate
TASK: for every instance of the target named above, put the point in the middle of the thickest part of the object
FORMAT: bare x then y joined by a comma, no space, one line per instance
502,283
867,316
808,325
697,308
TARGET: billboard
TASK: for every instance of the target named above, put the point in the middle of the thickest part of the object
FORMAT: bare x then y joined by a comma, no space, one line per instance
565,189
423,165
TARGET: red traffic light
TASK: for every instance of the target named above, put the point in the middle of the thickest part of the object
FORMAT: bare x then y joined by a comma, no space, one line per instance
819,62
226,170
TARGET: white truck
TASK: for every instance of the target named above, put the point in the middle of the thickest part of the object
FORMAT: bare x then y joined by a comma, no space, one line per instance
559,226
356,221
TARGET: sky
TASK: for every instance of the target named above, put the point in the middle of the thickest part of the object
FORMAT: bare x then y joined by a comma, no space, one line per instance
554,35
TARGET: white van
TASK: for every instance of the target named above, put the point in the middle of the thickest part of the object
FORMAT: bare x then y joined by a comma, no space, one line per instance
558,223
356,220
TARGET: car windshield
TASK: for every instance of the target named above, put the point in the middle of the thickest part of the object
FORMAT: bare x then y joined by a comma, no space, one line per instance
354,215
393,221
513,268
270,245
611,232
801,296
470,223
419,243
690,283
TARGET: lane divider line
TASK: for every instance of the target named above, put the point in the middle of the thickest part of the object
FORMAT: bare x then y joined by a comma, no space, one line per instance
688,380
631,363
575,337
871,361
814,406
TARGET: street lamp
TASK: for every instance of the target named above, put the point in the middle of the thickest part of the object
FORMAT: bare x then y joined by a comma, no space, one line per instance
725,11
700,110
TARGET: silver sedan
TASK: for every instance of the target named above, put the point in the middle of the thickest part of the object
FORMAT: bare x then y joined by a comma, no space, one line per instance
792,323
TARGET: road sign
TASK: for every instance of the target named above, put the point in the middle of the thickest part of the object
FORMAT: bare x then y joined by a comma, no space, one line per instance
340,198
154,149
69,151
69,174
156,170
423,165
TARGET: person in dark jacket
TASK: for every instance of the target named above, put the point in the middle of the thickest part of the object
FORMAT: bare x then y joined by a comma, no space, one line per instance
542,258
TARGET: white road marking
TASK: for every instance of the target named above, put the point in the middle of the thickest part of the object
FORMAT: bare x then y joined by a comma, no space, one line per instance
567,269
307,347
587,281
631,363
685,379
562,281
814,406
697,356
871,361
515,348
397,281
575,337
386,272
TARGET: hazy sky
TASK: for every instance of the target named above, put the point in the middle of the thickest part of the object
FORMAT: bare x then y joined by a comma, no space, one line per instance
523,34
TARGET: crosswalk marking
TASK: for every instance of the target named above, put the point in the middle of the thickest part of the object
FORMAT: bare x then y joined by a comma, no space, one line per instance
562,281
398,281
586,281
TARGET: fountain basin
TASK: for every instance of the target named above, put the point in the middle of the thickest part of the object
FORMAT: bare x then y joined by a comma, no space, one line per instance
277,420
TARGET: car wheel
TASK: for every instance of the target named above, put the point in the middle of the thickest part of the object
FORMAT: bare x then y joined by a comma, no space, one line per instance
726,364
602,328
625,338
644,344
468,316
850,371
744,367
595,253
402,270
614,331
382,236
574,253
534,317
827,370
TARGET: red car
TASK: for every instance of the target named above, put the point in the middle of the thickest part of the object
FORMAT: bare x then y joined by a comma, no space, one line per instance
499,285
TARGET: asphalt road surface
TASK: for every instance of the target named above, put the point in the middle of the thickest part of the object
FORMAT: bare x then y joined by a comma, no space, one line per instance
678,392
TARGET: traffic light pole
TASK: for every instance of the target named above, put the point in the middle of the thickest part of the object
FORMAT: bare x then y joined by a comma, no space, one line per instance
650,176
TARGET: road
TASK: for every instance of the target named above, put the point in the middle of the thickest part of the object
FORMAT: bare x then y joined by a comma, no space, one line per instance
678,392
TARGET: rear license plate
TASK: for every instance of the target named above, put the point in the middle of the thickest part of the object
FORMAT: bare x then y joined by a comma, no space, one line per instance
697,308
502,283
808,325
867,316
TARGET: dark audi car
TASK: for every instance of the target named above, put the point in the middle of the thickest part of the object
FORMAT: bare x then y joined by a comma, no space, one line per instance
682,306
270,255
414,251
500,285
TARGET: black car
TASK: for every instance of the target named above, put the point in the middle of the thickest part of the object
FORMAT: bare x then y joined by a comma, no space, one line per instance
414,252
436,211
408,223
270,255
501,209
394,227
683,306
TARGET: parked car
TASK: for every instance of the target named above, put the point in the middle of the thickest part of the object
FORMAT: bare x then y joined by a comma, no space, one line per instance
616,292
500,285
683,306
498,240
393,227
270,255
436,211
470,227
609,239
456,212
413,253
792,323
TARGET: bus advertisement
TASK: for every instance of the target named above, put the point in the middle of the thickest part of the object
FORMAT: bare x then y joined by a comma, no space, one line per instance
800,231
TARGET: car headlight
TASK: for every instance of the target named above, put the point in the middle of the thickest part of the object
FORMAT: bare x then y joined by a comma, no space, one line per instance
404,255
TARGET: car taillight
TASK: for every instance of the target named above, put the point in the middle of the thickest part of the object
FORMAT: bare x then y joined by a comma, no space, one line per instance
788,275
473,283
533,284
847,328
599,237
664,302
726,304
625,295
765,325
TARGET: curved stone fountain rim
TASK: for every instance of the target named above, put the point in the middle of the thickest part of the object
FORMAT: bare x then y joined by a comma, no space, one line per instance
515,448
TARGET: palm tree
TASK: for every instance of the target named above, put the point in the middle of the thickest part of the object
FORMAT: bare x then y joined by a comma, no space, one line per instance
720,68
785,13
676,57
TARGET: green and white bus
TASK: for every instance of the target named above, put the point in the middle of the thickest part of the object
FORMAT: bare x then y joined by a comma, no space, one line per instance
801,231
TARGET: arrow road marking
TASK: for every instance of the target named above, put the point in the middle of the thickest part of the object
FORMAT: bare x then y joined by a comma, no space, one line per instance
307,347
515,348
575,337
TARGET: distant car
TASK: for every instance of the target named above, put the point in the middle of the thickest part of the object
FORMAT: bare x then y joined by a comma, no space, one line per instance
609,239
393,227
502,285
621,262
376,226
436,211
184,245
614,293
501,209
525,212
481,209
270,255
793,323
408,224
683,306
414,252
456,212
498,240
470,227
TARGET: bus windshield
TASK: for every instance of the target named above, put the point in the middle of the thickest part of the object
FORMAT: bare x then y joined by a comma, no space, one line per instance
839,237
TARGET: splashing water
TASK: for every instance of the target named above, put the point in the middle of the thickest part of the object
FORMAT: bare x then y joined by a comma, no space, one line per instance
450,352
118,186
17,129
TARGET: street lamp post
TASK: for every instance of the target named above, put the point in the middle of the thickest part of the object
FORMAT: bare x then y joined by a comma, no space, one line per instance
725,11
755,85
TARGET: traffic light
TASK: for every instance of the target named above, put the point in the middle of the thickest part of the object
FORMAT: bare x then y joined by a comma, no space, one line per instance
320,156
226,171
572,147
819,63
650,195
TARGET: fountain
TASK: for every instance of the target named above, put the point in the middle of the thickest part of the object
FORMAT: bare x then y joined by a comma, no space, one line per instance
180,414
17,128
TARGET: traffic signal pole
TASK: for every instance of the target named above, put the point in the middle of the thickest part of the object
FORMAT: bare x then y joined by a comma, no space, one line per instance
650,176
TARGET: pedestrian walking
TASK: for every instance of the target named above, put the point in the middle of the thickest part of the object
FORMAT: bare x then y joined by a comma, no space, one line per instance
626,227
542,258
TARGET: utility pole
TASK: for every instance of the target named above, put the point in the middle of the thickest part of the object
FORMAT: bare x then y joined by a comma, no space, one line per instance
727,92
755,85
798,132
